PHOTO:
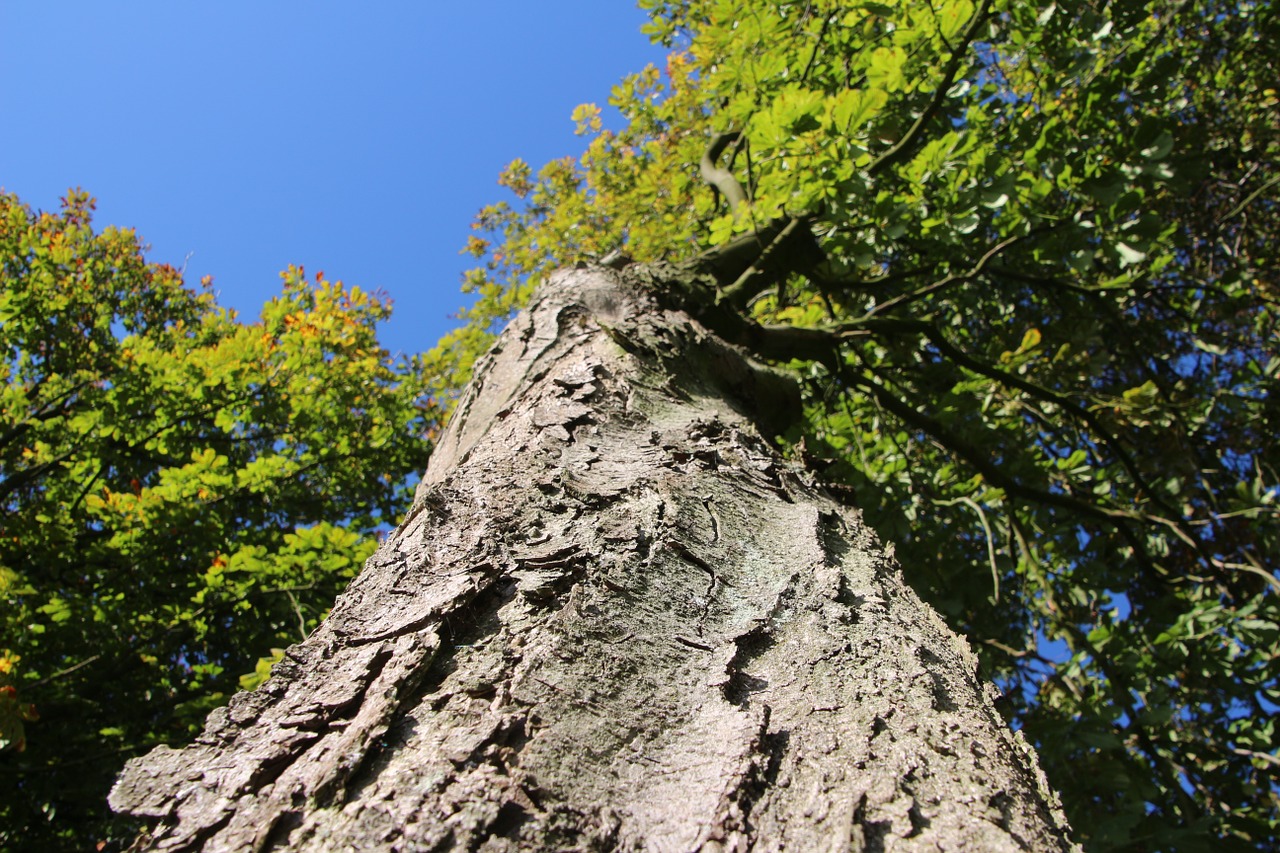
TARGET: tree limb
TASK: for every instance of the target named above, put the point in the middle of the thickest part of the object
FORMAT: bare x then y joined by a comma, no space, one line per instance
904,147
721,179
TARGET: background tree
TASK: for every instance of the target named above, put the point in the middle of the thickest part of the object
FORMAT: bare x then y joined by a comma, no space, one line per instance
179,492
1021,254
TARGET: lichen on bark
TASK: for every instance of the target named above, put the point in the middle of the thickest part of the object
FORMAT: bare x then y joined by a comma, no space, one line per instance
616,619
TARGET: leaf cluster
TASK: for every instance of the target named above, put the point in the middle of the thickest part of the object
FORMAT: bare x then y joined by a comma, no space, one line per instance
1038,338
180,491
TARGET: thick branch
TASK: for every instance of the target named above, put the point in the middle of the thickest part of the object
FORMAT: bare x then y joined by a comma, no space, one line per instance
748,265
718,177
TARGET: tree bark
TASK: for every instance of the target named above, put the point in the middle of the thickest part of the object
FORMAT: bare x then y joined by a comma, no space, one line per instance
615,619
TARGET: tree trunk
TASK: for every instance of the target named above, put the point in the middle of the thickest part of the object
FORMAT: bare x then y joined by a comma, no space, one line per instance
615,619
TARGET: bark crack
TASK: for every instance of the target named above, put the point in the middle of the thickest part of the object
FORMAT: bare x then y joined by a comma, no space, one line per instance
685,552
709,503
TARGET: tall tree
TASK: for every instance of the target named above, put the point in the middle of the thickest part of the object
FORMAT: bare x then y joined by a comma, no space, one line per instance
179,493
1019,256
615,619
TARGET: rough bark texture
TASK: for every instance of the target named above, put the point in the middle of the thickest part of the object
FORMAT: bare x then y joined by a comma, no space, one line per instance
615,620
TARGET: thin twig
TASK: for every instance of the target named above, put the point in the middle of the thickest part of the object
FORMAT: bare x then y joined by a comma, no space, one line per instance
986,530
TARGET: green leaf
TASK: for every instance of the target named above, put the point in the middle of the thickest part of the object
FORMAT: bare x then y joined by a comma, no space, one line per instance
853,109
1129,255
953,15
886,69
1160,148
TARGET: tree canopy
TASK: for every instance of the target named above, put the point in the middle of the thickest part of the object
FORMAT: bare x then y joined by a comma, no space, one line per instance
1019,254
180,492
1022,257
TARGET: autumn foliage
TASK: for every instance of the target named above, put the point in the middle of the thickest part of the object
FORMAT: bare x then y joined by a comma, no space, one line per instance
181,492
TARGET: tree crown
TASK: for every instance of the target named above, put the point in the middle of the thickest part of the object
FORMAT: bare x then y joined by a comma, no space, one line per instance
180,491
1019,254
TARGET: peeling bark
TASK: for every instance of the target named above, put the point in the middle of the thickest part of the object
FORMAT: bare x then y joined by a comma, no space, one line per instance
614,620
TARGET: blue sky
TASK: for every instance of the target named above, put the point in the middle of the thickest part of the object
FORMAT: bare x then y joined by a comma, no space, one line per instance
354,138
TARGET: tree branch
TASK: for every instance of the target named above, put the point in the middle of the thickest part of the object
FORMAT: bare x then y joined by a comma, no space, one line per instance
720,179
1250,199
904,147
991,472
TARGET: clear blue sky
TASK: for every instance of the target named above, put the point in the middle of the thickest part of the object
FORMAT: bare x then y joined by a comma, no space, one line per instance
354,138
